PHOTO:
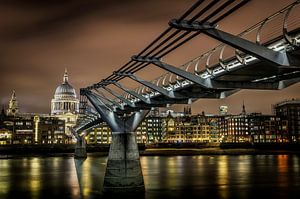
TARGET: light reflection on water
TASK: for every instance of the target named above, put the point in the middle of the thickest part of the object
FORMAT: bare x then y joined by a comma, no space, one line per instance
34,179
223,176
244,176
4,173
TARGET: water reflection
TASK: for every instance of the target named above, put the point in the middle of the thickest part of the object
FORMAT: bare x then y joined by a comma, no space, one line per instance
90,175
34,177
78,169
282,163
165,177
223,179
296,163
282,169
222,170
4,175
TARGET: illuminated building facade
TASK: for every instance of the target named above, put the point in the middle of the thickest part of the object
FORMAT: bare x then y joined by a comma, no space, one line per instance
5,133
290,111
235,129
32,129
170,127
191,129
22,130
65,105
99,135
253,128
5,136
149,131
51,130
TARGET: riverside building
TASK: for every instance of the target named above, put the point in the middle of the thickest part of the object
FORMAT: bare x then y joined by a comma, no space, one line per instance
167,127
191,129
253,128
30,128
149,131
290,111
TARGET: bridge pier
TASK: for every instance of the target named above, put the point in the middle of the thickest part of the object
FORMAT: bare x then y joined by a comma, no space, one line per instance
80,148
123,171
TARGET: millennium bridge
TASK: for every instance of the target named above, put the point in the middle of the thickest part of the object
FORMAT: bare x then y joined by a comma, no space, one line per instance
265,56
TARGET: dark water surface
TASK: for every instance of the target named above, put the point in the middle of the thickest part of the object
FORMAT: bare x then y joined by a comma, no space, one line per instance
244,176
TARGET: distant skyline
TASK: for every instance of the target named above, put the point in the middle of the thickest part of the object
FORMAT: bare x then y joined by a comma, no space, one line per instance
92,38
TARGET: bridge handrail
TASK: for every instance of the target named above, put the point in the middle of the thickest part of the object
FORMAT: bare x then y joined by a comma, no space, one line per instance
258,26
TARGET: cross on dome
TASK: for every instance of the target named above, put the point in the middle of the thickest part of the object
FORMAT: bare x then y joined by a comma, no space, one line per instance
65,76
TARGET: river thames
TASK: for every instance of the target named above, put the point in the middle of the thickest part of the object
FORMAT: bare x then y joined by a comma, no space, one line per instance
240,176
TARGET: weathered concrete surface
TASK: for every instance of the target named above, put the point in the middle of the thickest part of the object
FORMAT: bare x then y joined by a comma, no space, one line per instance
80,152
80,149
123,171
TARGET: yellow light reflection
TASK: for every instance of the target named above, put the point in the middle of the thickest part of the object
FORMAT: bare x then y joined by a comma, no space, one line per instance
151,168
200,162
223,179
172,172
56,161
34,179
73,180
85,178
145,169
4,187
179,164
296,163
223,170
4,175
243,168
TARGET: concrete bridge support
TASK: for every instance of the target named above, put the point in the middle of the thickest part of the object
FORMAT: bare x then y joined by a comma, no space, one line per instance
123,171
80,148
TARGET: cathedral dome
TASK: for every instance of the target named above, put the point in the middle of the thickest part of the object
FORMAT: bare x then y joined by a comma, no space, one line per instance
65,90
65,100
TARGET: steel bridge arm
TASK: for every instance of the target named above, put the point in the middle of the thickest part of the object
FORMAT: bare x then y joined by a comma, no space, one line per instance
128,102
74,132
245,85
103,98
182,73
169,94
109,116
110,100
91,111
135,94
135,119
90,124
286,83
209,83
256,50
226,94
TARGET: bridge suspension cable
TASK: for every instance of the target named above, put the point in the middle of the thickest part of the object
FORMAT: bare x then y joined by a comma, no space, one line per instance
277,56
172,40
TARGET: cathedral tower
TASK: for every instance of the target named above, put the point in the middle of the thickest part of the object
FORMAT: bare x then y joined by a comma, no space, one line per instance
13,108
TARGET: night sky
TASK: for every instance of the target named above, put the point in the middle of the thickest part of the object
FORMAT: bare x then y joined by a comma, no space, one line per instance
92,38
